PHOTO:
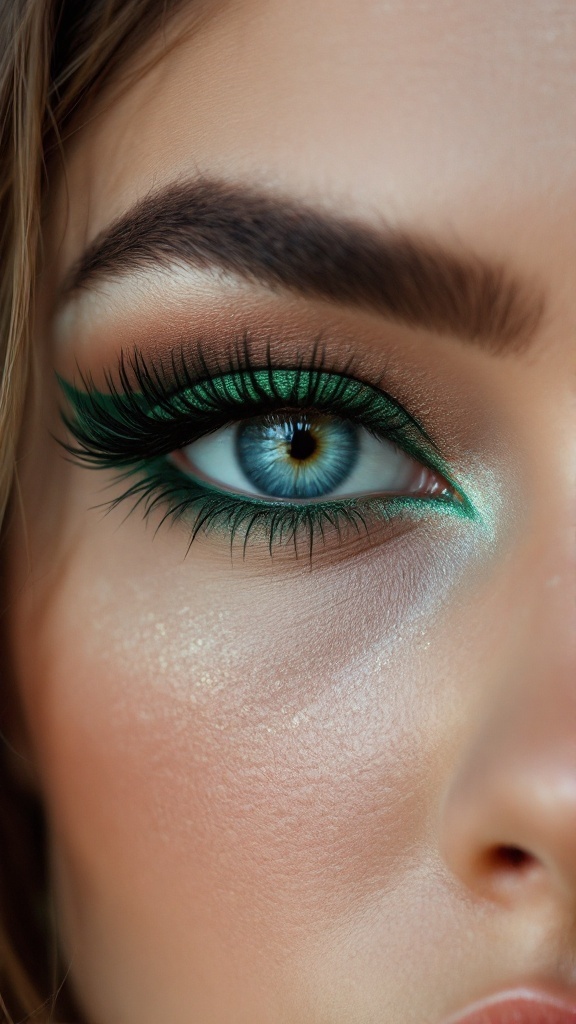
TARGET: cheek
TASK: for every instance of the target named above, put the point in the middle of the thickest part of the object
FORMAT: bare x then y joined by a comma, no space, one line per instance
233,761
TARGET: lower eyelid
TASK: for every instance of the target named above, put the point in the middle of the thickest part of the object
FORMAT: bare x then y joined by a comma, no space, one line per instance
330,530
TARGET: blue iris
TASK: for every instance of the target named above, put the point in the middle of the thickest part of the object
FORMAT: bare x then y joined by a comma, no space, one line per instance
295,456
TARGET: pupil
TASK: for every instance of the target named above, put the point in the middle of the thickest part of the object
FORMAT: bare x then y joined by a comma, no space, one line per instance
302,444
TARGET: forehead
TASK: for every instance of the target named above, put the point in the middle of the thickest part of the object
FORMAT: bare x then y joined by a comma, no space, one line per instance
446,113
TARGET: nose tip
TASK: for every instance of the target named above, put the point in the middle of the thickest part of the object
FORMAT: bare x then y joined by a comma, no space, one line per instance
509,821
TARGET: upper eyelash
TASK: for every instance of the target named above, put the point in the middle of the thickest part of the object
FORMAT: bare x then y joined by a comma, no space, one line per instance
172,409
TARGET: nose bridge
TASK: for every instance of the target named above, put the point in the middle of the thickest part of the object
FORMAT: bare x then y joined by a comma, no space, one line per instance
509,809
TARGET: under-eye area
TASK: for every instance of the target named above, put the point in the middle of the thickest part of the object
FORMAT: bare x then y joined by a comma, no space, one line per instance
299,454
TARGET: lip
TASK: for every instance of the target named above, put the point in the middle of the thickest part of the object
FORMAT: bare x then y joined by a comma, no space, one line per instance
518,1007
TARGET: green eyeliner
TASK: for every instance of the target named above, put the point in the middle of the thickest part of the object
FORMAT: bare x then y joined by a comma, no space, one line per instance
144,416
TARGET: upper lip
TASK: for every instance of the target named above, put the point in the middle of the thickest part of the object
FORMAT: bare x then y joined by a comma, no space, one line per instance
520,1006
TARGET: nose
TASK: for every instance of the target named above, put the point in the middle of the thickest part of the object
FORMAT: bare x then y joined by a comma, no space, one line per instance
508,813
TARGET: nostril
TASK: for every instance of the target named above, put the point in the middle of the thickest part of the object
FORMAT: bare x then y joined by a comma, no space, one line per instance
504,857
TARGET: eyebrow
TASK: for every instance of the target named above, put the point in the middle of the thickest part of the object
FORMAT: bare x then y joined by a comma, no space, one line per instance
285,243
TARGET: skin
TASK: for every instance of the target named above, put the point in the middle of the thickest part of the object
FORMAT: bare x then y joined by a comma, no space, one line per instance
279,790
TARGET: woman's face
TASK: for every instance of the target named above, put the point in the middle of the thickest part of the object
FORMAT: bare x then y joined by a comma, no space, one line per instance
323,770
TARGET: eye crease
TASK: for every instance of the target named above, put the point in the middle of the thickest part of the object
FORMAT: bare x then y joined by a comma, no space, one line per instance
271,452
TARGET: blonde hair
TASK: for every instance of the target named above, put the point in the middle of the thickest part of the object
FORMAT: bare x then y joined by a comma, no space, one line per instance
55,55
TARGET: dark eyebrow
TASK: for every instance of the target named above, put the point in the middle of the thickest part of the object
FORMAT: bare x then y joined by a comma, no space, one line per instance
285,243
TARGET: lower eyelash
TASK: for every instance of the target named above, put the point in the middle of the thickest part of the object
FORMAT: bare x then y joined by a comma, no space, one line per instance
160,488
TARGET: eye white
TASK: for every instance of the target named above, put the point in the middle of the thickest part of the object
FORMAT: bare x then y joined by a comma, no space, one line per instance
380,468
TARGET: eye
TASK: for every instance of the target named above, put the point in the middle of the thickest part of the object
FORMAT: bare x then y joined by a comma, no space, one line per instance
302,457
273,455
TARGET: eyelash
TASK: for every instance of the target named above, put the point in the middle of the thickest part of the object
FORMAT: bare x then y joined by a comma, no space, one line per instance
147,413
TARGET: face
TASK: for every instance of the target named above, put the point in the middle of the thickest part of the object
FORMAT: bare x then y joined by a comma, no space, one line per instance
296,647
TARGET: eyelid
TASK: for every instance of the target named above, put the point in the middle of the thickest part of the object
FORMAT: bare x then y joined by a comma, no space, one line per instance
161,412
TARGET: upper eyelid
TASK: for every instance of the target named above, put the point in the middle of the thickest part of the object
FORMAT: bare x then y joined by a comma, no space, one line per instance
193,370
240,386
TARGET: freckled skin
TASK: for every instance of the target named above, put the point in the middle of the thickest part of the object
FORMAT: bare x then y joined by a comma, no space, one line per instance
279,792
